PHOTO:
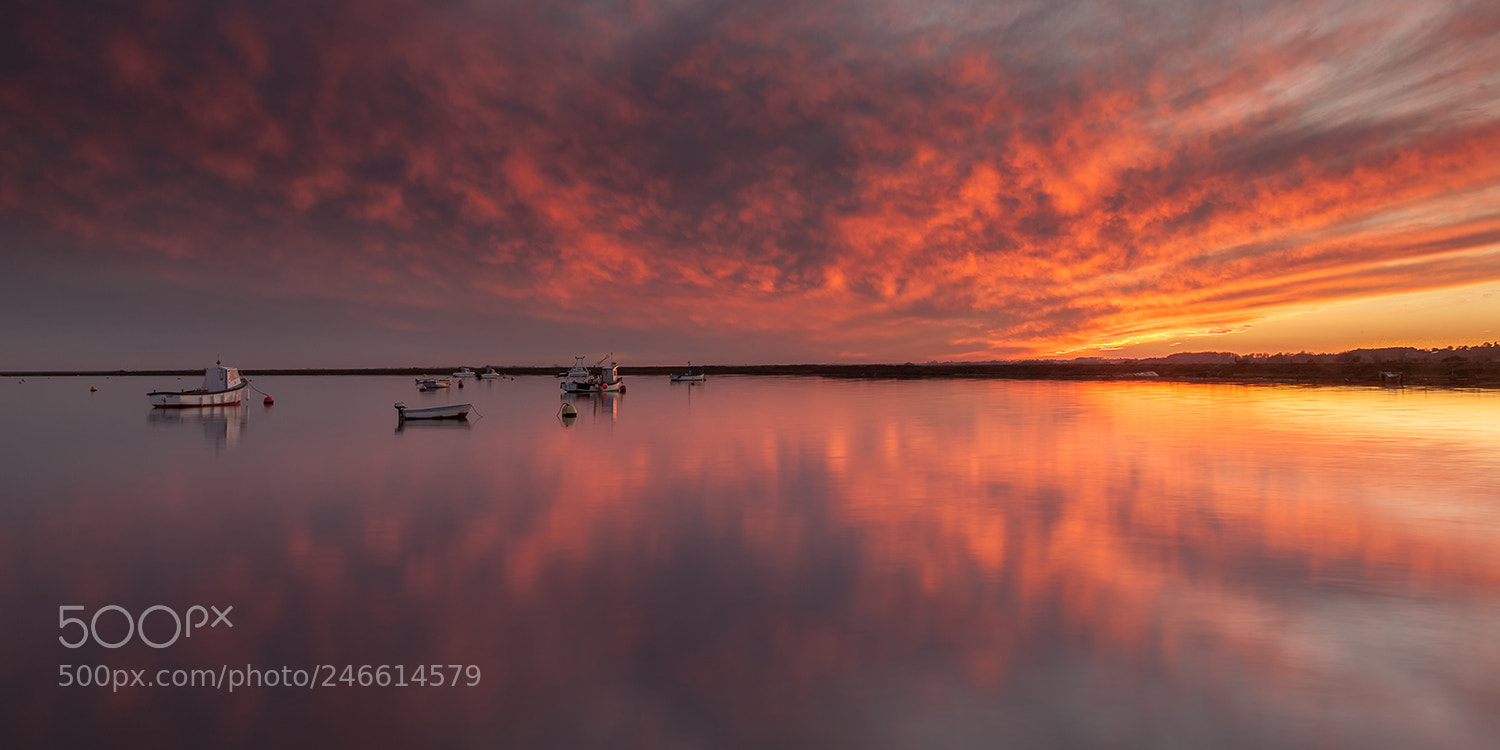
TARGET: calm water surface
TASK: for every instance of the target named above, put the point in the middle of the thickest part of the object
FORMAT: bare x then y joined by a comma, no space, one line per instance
764,562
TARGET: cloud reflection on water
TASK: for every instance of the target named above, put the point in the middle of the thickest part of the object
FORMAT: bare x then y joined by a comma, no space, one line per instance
809,563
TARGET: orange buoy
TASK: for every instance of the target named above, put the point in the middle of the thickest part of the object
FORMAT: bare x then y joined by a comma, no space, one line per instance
94,389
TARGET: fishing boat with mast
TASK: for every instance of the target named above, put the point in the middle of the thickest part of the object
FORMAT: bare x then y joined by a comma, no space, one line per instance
222,386
598,379
691,376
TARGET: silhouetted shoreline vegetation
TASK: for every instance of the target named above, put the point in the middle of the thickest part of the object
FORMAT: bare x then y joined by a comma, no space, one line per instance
1460,367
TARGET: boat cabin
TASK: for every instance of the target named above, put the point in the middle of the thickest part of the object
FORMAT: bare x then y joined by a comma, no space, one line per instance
220,378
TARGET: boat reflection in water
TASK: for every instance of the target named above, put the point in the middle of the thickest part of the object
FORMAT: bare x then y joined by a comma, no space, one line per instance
598,404
452,425
221,425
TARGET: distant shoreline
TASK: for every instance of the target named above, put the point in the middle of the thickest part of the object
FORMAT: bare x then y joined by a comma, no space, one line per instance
1444,374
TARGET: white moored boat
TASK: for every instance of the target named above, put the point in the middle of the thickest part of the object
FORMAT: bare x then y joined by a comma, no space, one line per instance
451,411
687,377
222,386
489,374
463,372
432,384
577,379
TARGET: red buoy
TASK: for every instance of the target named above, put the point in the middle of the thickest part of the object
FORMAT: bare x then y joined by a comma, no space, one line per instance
269,401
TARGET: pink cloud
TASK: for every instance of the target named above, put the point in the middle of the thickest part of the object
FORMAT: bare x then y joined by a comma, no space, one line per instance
904,183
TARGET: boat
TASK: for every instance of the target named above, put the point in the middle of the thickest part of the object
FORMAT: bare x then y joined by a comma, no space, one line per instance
463,372
687,377
577,379
222,386
583,379
489,374
610,380
451,411
432,384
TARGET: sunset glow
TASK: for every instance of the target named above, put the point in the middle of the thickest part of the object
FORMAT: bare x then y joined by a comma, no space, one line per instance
362,184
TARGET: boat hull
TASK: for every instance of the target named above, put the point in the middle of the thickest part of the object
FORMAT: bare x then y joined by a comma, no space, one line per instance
454,411
197,399
686,378
575,387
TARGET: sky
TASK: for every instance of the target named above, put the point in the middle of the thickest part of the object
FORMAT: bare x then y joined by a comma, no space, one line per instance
285,183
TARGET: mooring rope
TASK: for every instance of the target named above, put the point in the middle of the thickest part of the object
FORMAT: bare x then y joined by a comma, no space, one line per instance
257,390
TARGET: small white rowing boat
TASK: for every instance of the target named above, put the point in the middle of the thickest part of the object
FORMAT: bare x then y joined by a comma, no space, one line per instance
432,384
451,411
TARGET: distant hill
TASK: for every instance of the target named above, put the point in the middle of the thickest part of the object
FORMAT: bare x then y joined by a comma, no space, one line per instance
1483,353
1193,358
1488,352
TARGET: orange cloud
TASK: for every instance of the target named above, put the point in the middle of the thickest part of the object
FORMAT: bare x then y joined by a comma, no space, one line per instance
901,183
